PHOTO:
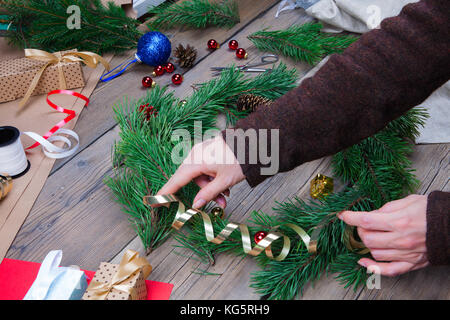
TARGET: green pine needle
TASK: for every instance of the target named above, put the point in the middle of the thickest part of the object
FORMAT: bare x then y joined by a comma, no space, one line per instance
142,160
301,42
195,14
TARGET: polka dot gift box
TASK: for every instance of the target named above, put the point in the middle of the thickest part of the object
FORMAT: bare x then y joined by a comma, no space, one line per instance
16,76
125,281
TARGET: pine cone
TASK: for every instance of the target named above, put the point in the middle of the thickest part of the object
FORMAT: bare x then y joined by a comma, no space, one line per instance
186,56
250,102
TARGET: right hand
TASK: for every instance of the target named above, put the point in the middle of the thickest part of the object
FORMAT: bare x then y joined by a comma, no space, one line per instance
213,166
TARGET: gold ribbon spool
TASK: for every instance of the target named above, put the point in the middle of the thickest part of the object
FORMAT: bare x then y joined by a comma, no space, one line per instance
88,58
6,184
183,215
131,263
321,186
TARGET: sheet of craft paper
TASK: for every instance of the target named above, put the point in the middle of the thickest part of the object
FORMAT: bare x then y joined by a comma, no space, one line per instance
38,117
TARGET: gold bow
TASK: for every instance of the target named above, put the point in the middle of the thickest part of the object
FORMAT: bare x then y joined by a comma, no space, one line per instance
184,215
88,58
131,263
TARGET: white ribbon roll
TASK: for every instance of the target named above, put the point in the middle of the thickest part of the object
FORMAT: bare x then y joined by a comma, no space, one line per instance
52,151
13,160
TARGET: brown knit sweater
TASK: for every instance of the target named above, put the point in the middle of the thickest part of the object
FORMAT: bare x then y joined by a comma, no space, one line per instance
356,93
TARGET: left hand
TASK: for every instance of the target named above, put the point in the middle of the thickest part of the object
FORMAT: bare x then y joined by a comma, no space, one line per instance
395,234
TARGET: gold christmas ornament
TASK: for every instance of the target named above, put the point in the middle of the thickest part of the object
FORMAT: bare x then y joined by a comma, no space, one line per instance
5,185
218,212
321,186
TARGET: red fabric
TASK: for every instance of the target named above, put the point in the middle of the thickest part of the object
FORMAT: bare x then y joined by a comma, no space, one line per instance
17,276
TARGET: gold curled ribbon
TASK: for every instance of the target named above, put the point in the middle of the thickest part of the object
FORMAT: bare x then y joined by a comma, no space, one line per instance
351,243
321,186
6,184
88,58
183,215
131,262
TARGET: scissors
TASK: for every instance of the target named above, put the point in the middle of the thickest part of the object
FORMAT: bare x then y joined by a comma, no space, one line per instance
265,59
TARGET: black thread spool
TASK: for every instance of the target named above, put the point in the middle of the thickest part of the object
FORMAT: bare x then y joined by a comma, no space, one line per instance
13,160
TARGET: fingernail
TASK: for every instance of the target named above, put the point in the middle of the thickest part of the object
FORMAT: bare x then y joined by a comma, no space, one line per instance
339,215
221,202
199,203
362,263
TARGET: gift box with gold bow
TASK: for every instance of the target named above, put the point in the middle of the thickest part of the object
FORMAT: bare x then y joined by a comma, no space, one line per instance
125,281
16,76
40,72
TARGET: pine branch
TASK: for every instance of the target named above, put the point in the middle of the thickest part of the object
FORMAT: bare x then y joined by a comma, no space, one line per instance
195,14
301,42
43,25
349,273
142,157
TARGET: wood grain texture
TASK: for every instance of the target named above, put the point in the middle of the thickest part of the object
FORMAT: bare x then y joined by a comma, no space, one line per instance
76,212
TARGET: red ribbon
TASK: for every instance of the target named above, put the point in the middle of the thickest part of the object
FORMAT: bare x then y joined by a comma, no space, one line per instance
71,113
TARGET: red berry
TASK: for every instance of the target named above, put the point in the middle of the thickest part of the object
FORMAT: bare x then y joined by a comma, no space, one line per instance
158,71
213,44
233,44
259,236
143,106
241,53
177,79
149,111
169,67
148,82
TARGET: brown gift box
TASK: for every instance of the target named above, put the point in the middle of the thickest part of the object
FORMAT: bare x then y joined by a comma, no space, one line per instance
105,273
16,76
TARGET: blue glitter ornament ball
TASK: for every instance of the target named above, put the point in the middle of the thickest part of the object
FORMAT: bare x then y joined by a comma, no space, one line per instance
153,48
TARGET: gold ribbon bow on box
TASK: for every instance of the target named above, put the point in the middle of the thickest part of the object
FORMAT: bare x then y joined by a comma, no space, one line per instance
88,58
130,264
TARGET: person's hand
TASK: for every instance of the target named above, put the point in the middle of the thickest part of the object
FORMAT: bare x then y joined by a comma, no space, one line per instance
213,166
395,234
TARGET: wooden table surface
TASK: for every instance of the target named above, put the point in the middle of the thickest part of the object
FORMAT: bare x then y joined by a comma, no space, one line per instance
77,213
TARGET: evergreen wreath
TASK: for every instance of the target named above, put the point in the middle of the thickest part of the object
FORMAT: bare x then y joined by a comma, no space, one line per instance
376,170
142,158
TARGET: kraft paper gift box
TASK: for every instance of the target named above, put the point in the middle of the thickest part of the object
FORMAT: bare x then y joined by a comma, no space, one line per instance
125,281
16,76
